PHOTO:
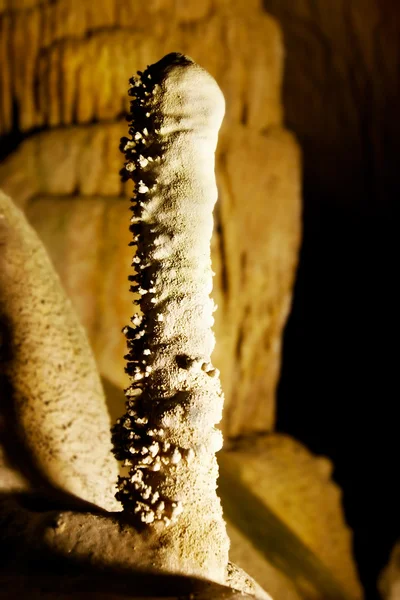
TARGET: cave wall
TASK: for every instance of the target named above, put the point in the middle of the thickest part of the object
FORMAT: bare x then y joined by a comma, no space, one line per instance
64,75
59,141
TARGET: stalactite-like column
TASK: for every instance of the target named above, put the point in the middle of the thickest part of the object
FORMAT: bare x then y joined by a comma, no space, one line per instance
167,437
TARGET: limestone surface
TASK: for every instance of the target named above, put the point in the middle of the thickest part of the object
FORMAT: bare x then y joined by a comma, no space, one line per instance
167,436
71,84
297,487
56,466
55,427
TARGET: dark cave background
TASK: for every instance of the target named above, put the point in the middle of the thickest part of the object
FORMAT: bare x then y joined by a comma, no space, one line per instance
338,391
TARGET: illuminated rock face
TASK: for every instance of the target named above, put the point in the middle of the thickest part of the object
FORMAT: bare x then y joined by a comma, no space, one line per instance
174,401
54,420
285,479
72,84
66,176
167,437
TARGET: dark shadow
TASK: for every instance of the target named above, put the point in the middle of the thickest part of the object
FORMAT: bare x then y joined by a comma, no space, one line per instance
60,580
17,454
28,569
339,385
273,538
115,399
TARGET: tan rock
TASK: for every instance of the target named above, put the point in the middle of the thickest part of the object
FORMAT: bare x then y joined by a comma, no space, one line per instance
79,63
87,237
254,264
293,489
245,555
109,556
53,418
77,48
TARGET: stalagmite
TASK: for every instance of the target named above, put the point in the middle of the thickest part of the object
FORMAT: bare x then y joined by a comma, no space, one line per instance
167,436
172,519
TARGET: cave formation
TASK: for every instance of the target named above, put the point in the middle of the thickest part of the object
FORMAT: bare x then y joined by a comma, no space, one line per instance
340,93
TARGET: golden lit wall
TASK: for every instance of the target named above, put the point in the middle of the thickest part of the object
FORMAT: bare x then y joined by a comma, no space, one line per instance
65,67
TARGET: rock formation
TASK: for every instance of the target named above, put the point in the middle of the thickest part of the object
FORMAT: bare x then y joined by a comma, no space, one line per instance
55,427
288,486
64,173
341,95
167,436
70,187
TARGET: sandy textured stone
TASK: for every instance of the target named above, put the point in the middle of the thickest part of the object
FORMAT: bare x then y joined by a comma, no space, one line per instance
61,418
254,265
74,86
298,488
246,556
54,424
87,239
77,46
76,160
167,435
111,559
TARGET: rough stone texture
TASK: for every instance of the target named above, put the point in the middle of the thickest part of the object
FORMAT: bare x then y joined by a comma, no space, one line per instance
76,73
389,582
75,161
75,47
110,559
254,256
55,441
53,416
244,554
167,435
88,236
280,563
298,488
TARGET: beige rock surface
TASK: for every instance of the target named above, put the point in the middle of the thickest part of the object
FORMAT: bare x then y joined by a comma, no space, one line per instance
87,236
297,487
255,245
243,553
81,55
72,83
54,424
167,436
285,561
53,420
61,553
